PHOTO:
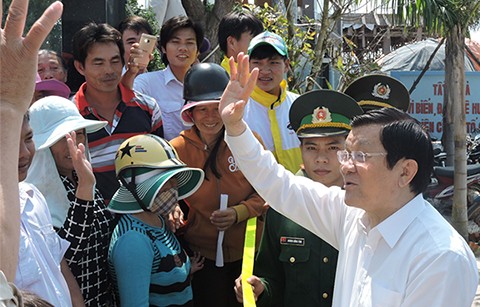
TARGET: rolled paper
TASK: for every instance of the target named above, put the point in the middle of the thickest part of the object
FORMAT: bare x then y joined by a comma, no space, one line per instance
221,233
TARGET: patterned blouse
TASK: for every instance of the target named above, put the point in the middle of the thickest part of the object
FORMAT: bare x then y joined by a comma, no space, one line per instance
88,227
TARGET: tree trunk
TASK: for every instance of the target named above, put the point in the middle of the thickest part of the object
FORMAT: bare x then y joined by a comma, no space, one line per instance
447,135
320,45
455,102
291,6
209,19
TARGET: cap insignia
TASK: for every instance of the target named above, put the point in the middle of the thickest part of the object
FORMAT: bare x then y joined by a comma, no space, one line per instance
321,115
381,91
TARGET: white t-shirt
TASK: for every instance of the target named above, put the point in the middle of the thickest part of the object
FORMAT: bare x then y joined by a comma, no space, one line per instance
412,258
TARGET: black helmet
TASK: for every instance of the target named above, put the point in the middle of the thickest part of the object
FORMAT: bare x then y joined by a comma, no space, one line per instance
205,81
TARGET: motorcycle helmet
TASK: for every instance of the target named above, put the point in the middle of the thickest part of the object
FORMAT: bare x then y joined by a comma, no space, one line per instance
203,84
143,164
146,150
205,81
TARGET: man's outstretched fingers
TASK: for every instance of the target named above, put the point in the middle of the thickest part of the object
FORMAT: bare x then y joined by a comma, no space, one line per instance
15,22
43,26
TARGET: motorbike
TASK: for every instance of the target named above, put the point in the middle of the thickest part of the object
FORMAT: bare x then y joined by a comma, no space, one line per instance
439,156
473,148
440,191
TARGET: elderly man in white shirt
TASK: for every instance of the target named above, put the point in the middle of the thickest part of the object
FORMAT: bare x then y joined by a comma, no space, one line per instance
395,249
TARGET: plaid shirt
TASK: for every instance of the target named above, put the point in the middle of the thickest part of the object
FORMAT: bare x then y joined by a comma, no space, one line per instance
88,227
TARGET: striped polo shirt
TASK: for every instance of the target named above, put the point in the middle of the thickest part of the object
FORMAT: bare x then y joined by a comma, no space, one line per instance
135,114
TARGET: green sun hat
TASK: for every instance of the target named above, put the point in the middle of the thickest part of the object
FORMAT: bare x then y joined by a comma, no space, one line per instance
323,113
149,182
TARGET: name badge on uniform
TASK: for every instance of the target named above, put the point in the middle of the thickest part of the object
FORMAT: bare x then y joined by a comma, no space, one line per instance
292,241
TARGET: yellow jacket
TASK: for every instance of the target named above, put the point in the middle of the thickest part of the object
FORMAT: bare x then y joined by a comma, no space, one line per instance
268,116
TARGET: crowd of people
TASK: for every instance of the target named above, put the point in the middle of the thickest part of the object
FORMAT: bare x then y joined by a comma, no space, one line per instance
135,189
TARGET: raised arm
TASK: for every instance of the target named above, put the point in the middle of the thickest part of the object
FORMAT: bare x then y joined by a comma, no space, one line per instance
18,66
80,217
241,85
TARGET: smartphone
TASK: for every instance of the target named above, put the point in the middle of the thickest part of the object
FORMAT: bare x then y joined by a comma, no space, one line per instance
147,43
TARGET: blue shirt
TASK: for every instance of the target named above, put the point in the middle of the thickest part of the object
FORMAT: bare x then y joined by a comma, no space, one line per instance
148,265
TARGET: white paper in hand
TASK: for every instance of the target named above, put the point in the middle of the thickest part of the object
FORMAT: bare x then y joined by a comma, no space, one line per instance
221,233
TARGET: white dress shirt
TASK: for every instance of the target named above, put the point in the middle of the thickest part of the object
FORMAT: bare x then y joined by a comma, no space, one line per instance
168,92
413,258
41,250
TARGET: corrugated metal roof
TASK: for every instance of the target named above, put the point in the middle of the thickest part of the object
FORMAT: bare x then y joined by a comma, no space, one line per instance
369,20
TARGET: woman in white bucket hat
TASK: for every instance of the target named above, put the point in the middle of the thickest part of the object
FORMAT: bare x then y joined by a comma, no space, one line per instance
62,172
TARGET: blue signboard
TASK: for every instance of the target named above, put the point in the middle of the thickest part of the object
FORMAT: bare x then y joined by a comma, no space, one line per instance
426,102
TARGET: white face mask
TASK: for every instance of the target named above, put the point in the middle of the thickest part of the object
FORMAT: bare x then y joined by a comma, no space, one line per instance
165,201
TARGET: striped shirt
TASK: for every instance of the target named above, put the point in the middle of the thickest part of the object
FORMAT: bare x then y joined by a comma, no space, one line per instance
148,265
135,114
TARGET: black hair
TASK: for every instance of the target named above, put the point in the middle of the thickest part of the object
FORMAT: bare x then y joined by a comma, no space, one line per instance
235,24
265,52
173,25
211,161
93,33
402,137
135,23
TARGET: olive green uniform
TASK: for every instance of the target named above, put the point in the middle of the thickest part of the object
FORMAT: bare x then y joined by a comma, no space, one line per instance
296,266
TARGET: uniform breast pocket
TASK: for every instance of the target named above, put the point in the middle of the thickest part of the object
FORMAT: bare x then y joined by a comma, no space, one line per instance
28,270
295,261
294,255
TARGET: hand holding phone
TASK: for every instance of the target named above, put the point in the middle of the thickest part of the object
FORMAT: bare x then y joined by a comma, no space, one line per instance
147,43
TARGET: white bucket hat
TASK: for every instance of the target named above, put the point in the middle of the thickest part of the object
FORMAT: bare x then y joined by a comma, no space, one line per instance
53,116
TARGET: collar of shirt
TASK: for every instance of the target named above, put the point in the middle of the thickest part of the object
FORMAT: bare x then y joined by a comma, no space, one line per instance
267,99
395,225
226,64
170,77
25,192
85,108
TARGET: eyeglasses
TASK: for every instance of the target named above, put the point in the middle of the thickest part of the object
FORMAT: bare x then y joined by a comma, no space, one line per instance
356,156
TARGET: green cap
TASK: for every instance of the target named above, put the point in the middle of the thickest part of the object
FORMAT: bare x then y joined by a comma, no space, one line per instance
269,38
323,113
379,91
